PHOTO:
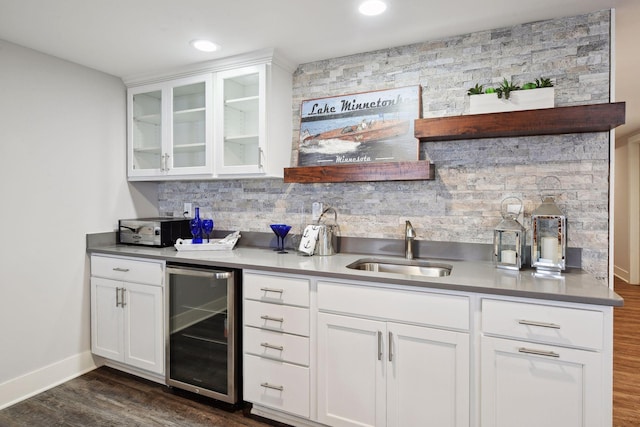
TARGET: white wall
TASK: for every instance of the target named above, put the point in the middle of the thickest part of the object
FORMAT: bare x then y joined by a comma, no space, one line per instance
62,175
621,213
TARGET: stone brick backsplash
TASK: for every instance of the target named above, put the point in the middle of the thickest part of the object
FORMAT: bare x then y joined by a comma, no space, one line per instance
472,177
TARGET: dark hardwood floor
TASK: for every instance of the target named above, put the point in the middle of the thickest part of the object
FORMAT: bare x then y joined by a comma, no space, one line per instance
106,397
626,357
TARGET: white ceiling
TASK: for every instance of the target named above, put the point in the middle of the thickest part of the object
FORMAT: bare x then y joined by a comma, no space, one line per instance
133,37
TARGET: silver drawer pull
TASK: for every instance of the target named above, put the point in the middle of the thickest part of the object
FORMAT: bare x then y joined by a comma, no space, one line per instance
278,291
124,270
271,346
538,352
275,387
541,324
379,345
274,319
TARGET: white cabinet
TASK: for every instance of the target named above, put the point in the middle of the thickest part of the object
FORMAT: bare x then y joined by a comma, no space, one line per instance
253,116
230,119
543,365
127,311
170,129
378,371
276,333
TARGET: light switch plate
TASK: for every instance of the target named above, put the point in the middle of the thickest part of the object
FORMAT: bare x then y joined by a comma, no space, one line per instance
316,210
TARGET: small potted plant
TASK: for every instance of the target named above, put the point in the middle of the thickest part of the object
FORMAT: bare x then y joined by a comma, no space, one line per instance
509,96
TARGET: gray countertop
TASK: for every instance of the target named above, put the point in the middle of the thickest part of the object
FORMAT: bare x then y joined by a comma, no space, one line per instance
467,276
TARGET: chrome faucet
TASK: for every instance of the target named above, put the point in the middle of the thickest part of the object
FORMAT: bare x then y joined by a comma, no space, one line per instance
409,235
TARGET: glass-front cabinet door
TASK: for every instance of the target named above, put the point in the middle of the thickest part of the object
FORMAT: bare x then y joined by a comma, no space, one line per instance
145,134
170,129
240,117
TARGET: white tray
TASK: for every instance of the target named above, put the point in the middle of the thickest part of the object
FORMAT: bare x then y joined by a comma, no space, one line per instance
225,244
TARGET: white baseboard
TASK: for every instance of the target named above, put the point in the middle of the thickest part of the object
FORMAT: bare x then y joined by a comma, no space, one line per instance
621,273
32,383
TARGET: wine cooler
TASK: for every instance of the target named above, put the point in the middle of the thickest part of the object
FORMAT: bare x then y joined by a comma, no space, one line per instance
202,331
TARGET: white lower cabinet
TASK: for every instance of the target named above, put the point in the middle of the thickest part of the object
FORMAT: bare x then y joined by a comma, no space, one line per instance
276,342
127,317
386,373
543,365
342,353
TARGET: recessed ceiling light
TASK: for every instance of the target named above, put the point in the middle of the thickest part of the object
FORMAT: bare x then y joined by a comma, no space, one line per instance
205,45
372,7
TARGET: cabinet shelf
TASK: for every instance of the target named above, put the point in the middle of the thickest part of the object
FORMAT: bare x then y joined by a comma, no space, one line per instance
547,121
246,104
189,116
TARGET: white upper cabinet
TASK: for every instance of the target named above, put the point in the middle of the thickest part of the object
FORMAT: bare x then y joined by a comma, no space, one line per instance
170,129
228,119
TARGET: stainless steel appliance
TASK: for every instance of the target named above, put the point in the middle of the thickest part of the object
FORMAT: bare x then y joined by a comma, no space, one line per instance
202,327
160,231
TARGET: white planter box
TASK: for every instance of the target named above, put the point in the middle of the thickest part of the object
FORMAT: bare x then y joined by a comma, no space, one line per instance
530,99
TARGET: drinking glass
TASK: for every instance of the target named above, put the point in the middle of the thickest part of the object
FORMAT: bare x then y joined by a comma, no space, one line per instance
207,226
281,231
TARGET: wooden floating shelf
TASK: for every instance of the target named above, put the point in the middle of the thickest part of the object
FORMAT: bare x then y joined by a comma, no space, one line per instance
361,172
546,121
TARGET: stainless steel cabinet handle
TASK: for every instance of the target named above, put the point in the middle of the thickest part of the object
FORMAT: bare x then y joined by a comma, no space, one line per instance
390,343
162,163
278,291
122,301
274,319
271,346
117,297
275,387
538,352
213,274
379,345
166,162
260,155
124,270
540,324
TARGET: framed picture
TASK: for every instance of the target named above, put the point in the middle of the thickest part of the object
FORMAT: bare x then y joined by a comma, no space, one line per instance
375,126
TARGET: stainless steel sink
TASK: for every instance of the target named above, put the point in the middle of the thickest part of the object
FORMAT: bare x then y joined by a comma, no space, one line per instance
412,268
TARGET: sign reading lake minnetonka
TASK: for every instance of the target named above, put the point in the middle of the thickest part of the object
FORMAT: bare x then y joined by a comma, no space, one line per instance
364,127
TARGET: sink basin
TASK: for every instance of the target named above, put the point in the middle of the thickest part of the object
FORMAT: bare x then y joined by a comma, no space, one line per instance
410,267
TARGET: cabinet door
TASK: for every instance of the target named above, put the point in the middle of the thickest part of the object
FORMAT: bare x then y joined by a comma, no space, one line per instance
143,327
145,129
351,371
106,319
170,128
190,138
240,117
532,385
427,377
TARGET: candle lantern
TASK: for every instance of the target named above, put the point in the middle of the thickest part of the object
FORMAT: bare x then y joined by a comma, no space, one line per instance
549,245
509,236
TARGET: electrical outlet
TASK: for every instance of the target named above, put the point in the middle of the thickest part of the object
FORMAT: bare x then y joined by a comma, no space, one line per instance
188,210
316,210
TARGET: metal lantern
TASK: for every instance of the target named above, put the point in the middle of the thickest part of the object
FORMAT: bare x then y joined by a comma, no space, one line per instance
549,246
509,236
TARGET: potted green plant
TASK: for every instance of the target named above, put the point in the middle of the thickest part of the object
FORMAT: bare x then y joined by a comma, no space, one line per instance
509,96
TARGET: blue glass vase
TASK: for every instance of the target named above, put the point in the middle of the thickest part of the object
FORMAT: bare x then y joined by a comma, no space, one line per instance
196,228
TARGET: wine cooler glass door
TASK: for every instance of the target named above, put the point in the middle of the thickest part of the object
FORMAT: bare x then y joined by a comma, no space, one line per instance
201,332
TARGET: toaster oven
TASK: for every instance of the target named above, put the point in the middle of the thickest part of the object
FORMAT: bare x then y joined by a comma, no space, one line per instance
158,232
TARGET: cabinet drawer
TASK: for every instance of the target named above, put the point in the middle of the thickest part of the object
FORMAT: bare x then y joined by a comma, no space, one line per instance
449,311
276,345
128,270
276,317
276,289
564,326
276,385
